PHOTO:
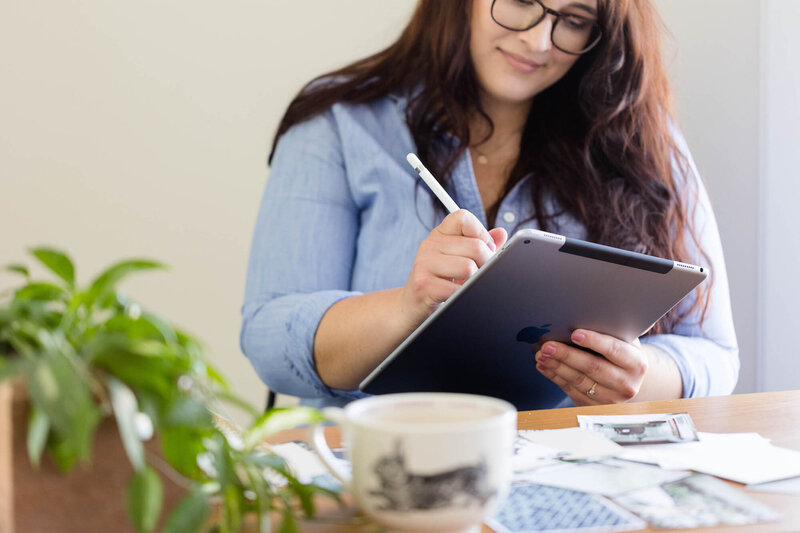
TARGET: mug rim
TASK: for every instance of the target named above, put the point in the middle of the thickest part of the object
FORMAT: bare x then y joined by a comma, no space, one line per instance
355,410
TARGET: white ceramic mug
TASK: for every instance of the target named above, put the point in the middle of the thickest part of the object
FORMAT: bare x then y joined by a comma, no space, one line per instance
424,461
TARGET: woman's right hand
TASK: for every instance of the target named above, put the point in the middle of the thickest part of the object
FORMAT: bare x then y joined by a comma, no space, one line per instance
448,256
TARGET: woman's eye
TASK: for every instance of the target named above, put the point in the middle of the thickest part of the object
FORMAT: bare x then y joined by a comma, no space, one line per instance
575,22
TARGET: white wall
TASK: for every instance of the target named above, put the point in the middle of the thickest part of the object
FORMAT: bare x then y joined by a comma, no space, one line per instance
713,58
779,319
737,78
141,129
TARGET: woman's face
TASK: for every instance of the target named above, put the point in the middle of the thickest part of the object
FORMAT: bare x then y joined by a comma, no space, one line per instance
514,66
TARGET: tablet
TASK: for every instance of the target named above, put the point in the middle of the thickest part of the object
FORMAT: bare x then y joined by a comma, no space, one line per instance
539,286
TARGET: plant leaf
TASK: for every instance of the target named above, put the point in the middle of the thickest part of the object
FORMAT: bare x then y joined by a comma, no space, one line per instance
38,430
164,328
223,463
262,504
143,499
136,371
106,281
276,420
190,515
232,513
40,291
215,376
331,490
181,446
10,368
305,495
132,329
125,408
63,451
268,460
63,395
288,522
56,261
188,412
19,269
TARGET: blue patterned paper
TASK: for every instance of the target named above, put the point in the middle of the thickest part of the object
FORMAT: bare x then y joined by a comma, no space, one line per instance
531,507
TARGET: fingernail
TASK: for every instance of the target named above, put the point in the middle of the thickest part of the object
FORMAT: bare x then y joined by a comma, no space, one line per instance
492,246
578,336
549,349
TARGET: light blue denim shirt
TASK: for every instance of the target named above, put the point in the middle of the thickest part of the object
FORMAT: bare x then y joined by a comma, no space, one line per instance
343,214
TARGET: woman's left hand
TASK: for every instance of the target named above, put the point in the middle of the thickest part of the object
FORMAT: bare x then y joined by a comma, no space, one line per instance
588,378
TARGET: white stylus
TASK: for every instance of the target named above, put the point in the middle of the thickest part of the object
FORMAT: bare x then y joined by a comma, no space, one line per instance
431,182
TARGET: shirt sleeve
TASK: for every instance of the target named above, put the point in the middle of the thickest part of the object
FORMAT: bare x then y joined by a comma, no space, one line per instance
301,258
707,354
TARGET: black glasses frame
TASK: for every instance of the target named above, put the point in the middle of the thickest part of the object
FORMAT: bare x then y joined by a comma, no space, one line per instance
547,11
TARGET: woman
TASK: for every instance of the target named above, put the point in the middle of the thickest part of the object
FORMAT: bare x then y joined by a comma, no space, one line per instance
551,114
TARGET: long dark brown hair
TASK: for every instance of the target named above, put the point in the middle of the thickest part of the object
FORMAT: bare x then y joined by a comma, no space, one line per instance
599,140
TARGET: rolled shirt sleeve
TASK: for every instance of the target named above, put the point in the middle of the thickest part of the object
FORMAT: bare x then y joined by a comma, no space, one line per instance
301,259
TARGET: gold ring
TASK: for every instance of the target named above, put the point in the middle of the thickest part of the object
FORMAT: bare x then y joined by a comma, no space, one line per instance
593,390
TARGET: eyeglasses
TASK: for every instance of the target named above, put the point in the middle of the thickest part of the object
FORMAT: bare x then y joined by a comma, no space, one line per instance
572,34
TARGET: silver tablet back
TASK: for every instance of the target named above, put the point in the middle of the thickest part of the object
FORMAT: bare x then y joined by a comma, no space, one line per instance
539,286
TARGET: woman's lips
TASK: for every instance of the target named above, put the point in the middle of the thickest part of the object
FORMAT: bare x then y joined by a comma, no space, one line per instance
519,63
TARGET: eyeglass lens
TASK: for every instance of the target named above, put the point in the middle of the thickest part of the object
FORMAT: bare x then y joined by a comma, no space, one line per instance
572,33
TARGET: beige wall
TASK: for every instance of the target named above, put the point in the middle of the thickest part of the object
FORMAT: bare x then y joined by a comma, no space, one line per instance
141,129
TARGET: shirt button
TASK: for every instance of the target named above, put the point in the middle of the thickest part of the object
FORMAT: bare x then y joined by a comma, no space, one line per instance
509,217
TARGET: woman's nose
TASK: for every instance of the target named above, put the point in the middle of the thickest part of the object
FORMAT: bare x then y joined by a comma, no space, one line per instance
538,38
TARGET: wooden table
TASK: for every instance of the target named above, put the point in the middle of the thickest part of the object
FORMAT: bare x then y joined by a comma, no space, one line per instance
774,415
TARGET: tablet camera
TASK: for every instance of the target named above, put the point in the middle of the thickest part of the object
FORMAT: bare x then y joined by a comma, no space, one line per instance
527,241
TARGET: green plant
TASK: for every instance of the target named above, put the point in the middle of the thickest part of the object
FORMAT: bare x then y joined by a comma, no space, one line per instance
86,353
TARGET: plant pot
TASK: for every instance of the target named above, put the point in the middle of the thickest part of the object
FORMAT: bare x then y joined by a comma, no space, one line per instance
89,498
6,475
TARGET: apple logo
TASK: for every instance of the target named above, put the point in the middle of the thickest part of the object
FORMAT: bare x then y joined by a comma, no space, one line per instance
531,334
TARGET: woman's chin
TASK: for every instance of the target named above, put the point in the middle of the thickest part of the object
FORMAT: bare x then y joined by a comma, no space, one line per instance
508,94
